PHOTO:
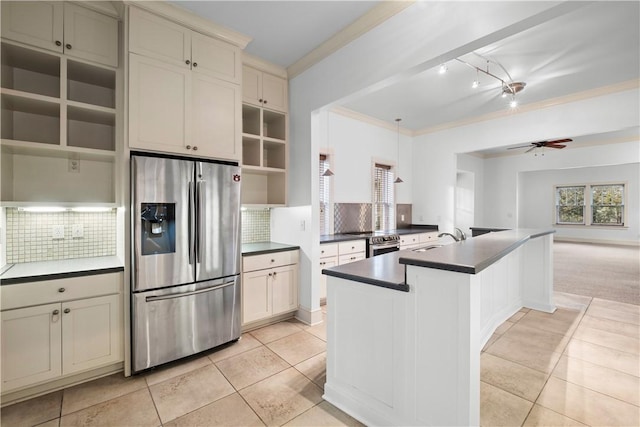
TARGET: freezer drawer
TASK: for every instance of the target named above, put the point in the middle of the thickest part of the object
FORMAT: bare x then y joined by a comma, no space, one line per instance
177,322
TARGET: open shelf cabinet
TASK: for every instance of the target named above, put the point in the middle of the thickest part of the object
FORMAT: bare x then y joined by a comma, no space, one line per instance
56,110
264,156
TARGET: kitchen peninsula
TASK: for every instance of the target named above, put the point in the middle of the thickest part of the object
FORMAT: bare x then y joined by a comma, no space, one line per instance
405,330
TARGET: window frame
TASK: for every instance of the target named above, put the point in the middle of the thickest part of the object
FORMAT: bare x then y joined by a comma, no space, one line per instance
588,207
391,214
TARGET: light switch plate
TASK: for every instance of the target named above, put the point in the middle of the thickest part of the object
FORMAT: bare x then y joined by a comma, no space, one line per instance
57,232
77,230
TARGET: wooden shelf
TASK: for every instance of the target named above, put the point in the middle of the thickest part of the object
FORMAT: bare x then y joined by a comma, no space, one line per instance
29,148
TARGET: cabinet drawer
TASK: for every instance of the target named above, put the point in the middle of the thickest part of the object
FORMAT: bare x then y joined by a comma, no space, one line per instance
428,237
274,259
328,249
346,259
45,292
410,239
351,246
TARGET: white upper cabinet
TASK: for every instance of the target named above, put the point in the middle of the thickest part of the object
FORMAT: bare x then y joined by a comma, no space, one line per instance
156,37
152,36
62,27
264,89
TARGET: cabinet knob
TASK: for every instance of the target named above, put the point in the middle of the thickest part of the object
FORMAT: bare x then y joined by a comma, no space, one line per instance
188,147
274,274
195,64
56,312
67,310
265,101
195,148
61,290
260,100
270,274
58,43
187,62
273,260
68,46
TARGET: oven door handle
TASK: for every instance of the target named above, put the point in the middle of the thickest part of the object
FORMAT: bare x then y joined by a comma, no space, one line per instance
186,294
385,245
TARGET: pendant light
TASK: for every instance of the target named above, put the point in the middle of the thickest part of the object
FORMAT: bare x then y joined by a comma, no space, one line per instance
398,180
328,171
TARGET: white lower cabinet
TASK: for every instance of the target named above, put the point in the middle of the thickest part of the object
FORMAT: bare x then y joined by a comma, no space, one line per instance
31,345
326,263
48,341
269,285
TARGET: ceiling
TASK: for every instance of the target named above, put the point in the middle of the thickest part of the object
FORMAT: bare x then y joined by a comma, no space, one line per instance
282,31
594,46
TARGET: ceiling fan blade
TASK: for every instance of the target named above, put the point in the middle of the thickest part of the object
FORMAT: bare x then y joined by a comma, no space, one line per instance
522,146
557,141
555,146
530,149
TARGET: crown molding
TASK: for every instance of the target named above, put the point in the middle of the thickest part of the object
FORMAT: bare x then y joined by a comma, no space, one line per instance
369,120
374,17
106,7
191,20
262,65
574,97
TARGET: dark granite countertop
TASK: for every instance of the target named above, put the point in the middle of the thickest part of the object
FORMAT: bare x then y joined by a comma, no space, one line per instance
469,256
414,229
382,270
260,248
49,270
473,255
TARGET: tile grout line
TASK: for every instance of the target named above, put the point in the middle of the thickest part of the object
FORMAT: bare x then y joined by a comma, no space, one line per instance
535,402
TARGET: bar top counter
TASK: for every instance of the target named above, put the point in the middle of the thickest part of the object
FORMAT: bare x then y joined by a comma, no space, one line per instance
469,256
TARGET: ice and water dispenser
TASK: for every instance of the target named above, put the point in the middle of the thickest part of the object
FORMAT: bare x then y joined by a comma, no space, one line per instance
158,228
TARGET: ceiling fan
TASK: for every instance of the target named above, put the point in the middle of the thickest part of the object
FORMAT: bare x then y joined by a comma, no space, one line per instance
557,143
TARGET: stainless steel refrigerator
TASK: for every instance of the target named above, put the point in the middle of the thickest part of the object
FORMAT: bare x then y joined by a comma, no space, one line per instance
185,257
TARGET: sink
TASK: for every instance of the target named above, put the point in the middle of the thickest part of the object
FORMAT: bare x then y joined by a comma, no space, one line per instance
427,248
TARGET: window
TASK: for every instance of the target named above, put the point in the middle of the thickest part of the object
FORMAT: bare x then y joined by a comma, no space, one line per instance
384,217
570,205
325,194
605,204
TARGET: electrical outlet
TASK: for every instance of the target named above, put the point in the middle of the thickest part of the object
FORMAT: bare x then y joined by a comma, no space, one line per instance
77,230
74,165
57,232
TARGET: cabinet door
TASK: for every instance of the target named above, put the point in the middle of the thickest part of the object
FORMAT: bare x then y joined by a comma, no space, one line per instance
37,23
216,117
326,263
31,344
256,296
274,92
90,35
91,333
251,86
284,282
215,58
158,98
152,36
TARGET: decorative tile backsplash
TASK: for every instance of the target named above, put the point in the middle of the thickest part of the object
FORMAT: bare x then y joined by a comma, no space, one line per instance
30,235
352,217
256,225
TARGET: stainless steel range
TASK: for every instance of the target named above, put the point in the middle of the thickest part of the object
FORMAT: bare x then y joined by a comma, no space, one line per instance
380,242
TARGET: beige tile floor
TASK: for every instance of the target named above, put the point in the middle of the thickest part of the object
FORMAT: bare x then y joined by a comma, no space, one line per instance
577,366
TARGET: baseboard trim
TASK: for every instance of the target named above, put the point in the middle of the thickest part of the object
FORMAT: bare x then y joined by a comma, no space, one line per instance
597,241
266,322
309,317
59,384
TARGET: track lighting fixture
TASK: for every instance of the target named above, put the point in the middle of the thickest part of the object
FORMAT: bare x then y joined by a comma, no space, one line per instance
508,87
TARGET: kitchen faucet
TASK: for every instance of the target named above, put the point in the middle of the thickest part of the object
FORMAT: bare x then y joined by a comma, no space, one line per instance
462,235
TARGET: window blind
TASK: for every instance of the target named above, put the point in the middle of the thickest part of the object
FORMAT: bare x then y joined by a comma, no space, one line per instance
383,198
325,193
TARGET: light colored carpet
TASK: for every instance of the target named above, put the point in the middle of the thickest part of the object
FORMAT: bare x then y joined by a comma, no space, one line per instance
599,271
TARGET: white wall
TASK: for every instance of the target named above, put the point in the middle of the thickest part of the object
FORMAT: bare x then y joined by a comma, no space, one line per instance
475,165
587,116
536,200
355,144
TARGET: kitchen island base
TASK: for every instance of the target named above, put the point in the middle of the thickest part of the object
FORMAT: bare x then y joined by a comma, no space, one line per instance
413,358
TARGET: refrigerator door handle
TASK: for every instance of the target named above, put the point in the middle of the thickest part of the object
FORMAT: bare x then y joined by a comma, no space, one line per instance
192,223
186,294
199,215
